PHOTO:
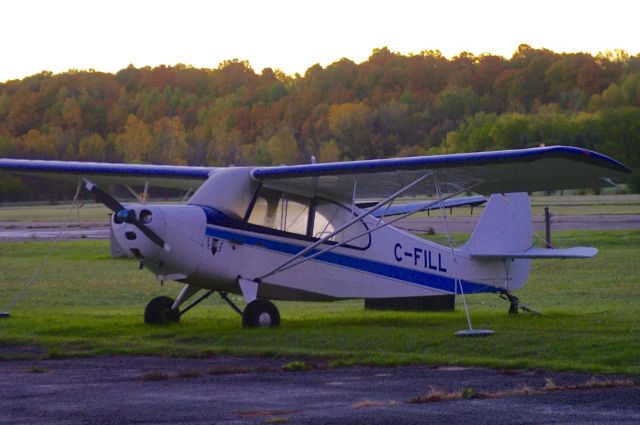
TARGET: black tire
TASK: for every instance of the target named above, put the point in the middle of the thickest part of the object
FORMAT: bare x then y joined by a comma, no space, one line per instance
260,314
158,312
513,308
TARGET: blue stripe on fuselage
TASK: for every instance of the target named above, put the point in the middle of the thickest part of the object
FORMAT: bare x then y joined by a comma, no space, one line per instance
369,266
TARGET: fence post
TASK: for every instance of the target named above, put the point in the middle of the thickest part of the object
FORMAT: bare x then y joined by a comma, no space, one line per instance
547,227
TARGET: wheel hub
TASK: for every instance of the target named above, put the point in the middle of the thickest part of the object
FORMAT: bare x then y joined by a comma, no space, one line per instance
264,320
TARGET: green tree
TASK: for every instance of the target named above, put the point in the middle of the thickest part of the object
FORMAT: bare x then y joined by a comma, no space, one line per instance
35,145
282,147
135,143
12,188
587,130
92,148
7,147
170,142
329,151
622,139
453,103
550,129
474,135
512,131
351,125
413,150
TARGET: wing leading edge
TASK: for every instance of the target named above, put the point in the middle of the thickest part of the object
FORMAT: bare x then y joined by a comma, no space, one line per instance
521,170
167,176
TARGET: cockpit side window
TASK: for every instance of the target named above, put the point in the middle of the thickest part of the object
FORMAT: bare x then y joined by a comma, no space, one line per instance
330,216
281,211
310,218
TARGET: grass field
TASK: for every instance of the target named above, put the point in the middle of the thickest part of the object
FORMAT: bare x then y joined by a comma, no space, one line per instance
86,303
560,205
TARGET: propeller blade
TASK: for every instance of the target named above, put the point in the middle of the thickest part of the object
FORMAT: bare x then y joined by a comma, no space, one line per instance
126,215
103,197
153,236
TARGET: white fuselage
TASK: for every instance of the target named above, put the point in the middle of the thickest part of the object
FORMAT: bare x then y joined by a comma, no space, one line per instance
212,245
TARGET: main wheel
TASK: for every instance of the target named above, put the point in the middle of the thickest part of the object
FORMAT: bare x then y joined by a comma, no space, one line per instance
260,314
159,312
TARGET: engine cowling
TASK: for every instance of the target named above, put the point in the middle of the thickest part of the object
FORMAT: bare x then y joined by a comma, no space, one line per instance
182,227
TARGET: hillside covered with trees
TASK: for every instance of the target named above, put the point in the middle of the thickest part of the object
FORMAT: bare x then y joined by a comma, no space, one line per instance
389,105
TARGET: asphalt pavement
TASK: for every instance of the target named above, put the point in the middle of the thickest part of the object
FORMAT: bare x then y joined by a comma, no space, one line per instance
232,390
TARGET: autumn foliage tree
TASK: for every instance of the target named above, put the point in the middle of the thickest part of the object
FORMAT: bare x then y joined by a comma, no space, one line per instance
135,143
389,105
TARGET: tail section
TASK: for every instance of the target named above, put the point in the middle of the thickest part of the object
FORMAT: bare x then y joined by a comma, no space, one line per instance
505,226
501,248
504,231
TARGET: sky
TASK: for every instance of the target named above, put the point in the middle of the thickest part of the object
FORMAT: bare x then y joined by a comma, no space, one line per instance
37,35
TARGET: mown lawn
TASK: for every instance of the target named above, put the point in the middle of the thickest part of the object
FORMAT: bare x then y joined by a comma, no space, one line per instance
559,205
86,303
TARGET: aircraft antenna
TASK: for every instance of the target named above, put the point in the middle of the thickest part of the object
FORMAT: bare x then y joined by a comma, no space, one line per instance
458,282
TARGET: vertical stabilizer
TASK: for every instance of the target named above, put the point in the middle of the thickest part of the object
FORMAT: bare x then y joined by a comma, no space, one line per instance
505,226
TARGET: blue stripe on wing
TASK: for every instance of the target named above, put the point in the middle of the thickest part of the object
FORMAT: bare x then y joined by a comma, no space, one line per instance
440,161
103,168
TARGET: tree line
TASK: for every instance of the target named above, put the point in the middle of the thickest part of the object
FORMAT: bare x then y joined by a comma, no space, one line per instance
390,105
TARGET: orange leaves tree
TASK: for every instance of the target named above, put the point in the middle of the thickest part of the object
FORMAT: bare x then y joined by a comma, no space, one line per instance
391,104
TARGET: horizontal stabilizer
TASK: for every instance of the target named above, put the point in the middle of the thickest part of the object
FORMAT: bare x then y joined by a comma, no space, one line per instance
415,207
576,252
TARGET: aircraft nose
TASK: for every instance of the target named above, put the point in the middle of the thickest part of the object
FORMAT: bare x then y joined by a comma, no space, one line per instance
139,231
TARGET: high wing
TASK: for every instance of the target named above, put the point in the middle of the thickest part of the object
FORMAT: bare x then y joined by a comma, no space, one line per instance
521,170
165,176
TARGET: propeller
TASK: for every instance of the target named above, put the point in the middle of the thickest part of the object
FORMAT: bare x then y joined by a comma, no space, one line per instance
123,214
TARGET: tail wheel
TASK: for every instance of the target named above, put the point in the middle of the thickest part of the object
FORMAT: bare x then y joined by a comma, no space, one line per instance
159,312
260,314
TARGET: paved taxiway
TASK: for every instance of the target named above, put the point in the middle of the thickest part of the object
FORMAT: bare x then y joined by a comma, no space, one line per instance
116,390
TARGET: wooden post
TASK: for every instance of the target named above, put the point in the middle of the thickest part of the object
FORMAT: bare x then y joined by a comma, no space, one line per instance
547,227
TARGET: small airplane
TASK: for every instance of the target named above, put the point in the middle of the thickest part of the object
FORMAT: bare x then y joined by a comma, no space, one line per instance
319,232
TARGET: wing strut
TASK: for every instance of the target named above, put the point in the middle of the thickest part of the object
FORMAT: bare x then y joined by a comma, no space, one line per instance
347,225
380,225
470,331
387,201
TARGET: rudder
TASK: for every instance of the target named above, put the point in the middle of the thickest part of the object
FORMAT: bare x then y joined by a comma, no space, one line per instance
505,225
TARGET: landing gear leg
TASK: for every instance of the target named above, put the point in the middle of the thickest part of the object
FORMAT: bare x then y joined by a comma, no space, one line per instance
226,299
206,295
514,303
